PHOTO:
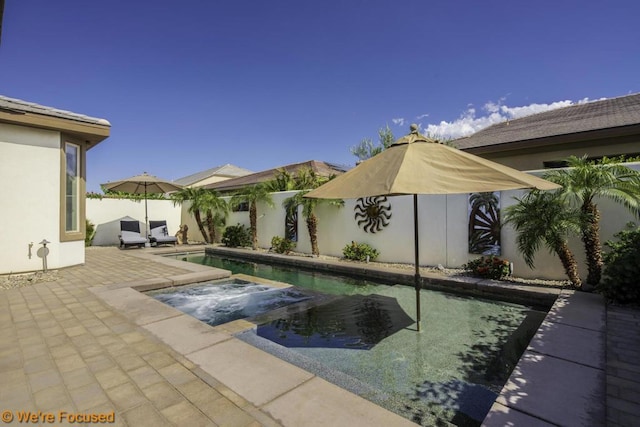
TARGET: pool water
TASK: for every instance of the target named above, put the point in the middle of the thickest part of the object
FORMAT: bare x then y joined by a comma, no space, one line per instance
302,278
216,303
451,372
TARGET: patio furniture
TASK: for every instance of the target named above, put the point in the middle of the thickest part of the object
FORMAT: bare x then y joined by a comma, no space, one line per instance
160,234
130,234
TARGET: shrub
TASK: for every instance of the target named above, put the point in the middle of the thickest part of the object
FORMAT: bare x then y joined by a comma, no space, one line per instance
236,236
359,252
282,245
90,232
622,267
490,267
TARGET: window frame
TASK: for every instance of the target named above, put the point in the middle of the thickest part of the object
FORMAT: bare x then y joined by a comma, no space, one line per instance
79,234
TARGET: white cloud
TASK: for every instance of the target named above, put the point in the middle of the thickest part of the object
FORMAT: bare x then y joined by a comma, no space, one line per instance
398,121
422,116
495,112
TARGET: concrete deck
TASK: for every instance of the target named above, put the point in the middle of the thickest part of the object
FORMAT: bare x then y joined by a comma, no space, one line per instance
90,343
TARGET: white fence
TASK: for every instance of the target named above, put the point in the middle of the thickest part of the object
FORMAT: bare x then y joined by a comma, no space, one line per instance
443,229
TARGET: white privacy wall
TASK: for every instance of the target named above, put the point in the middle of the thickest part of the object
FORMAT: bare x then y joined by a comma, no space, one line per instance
106,214
443,229
443,232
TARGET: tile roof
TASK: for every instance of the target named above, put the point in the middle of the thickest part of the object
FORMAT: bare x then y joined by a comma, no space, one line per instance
589,116
224,170
12,105
319,167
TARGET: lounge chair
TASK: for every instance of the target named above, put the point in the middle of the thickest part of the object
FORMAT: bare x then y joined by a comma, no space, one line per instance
130,234
160,234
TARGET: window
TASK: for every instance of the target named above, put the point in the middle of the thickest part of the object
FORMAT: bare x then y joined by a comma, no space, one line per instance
72,191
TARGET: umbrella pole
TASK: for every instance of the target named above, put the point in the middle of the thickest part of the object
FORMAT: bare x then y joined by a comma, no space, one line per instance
416,276
146,218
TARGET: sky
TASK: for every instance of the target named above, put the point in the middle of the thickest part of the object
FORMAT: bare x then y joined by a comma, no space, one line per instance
195,84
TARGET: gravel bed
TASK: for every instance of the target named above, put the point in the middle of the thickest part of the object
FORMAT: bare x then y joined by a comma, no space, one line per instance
12,281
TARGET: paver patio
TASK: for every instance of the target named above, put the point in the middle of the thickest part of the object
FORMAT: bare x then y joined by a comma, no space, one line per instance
64,347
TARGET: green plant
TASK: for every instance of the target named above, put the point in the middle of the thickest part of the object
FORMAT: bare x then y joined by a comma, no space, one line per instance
543,219
236,236
93,195
282,245
622,267
360,252
90,232
204,201
586,181
490,267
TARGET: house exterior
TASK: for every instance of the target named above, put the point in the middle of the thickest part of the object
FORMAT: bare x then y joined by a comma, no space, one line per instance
213,175
43,176
609,127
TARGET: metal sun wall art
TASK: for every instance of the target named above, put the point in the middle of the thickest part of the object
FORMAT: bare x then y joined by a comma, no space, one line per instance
484,223
291,225
372,213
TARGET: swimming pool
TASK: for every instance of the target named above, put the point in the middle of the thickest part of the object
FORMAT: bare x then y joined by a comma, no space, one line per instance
450,372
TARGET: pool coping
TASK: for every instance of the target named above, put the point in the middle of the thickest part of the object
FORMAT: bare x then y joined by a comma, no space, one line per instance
552,384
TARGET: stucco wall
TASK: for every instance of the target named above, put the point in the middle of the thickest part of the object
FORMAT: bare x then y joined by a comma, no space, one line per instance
106,214
442,226
30,195
443,229
534,159
443,232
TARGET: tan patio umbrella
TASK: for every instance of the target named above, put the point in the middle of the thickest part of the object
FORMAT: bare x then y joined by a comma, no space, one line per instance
414,165
142,184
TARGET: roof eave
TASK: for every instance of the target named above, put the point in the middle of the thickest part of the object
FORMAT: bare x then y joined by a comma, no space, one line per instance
585,136
91,133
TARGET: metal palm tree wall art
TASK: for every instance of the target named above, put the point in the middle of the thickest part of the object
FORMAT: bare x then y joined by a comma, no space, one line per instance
372,213
484,223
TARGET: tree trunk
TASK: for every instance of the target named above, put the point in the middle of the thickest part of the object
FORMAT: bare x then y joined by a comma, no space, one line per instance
569,263
312,226
253,221
200,225
591,240
210,238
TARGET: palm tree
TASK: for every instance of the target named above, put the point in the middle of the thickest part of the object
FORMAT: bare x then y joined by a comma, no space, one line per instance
217,211
306,180
197,197
283,181
253,195
583,182
543,218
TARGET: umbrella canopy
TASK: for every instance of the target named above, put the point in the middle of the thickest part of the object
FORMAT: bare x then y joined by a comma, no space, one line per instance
142,184
414,165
